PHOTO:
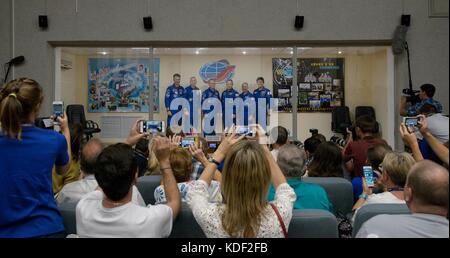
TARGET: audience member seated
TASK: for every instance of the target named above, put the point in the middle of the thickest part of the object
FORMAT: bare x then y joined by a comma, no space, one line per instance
394,170
141,154
109,212
410,139
27,156
426,96
426,194
327,161
291,161
74,191
73,173
249,168
375,156
310,146
281,139
356,150
181,164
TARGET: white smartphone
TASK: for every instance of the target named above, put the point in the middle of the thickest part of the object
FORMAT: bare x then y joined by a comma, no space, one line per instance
152,126
58,109
368,176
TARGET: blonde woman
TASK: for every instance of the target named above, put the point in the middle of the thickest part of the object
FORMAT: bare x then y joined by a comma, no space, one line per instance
248,170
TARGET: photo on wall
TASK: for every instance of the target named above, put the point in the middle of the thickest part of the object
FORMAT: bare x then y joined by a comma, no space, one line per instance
121,85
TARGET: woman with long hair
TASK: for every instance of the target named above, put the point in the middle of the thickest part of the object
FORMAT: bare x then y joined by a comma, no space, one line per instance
248,170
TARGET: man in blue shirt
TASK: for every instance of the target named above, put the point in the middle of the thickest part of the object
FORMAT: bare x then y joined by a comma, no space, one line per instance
208,95
426,96
246,95
262,93
228,96
173,91
189,93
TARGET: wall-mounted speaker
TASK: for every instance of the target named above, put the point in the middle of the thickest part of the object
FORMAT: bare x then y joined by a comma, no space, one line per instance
148,24
43,21
299,22
406,20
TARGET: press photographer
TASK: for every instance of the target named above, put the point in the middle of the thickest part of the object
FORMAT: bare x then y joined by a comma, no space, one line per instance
425,95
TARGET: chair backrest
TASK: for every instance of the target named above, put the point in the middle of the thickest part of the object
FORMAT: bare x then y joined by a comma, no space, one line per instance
75,115
185,226
364,110
368,211
339,191
340,119
146,186
68,213
311,223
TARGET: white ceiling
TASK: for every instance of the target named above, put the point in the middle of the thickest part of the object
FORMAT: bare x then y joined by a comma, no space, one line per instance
316,51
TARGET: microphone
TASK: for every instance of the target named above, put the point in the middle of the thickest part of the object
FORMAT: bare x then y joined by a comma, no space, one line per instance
398,42
16,60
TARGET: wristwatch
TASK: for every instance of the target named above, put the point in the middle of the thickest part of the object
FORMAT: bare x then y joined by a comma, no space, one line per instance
363,196
212,160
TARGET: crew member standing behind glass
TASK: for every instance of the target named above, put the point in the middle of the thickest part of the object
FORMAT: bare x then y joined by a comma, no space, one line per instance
246,95
208,95
189,95
228,96
173,91
262,93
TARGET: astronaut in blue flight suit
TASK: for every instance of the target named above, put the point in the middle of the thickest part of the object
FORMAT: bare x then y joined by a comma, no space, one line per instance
262,93
247,95
228,96
189,93
208,95
174,91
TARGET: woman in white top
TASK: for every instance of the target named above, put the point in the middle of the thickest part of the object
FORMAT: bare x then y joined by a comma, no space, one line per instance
394,170
248,170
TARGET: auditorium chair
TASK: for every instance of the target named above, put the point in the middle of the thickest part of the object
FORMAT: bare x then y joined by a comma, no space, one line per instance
368,211
146,186
75,115
339,191
311,223
340,119
68,214
185,226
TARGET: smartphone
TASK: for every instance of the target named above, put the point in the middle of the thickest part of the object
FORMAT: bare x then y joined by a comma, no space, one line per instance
411,121
212,145
368,176
188,141
152,126
58,109
244,130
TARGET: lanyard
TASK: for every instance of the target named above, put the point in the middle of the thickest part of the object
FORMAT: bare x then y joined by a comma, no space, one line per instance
395,189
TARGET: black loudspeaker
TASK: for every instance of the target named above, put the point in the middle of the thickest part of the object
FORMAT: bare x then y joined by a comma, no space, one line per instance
406,20
299,22
148,25
43,21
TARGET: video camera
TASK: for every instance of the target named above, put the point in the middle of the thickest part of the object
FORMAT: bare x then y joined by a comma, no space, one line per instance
314,131
413,95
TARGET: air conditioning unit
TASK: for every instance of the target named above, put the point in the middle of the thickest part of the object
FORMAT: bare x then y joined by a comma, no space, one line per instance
66,64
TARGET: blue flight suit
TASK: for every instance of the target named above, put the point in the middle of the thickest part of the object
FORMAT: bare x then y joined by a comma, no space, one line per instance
172,93
245,96
265,94
189,95
210,93
229,95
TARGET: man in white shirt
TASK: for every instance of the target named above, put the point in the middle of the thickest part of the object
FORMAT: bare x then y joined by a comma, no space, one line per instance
438,124
111,213
279,136
73,192
426,194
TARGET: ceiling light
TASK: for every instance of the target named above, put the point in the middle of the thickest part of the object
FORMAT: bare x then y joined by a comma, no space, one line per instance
244,52
340,52
197,52
103,53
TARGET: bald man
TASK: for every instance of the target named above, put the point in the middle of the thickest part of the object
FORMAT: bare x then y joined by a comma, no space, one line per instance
426,194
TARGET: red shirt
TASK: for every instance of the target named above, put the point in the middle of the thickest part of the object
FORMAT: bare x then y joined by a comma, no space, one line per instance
357,151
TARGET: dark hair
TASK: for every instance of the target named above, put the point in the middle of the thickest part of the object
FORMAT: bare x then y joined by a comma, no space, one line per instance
76,140
429,89
142,146
18,99
427,109
320,137
115,170
260,78
88,156
229,80
327,161
176,75
367,124
376,153
282,135
311,144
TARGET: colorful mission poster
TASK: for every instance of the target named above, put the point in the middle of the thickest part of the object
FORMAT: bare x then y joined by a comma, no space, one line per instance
121,85
320,83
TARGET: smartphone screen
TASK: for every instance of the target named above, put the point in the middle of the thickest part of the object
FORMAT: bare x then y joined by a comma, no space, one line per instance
244,130
411,121
151,126
186,142
368,176
58,109
212,145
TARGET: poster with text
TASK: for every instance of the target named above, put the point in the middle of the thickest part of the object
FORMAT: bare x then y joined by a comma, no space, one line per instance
121,85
